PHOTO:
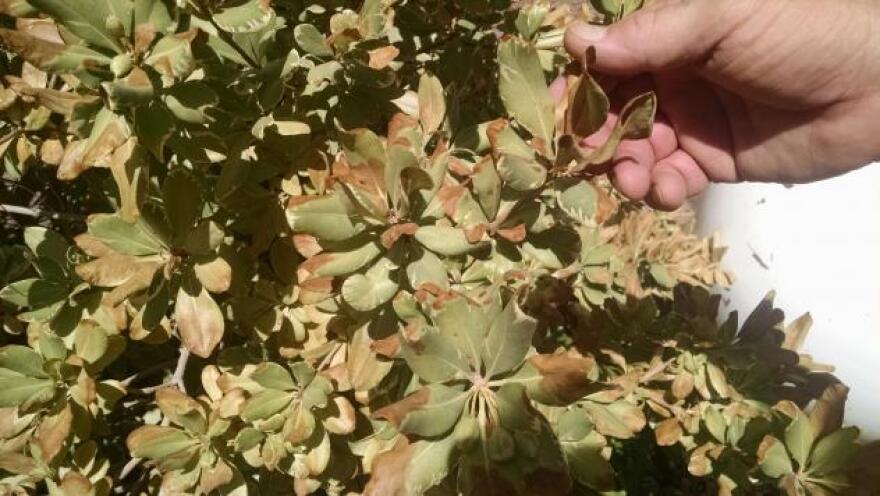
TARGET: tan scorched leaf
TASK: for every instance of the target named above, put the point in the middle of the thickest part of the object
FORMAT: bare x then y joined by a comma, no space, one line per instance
199,321
562,379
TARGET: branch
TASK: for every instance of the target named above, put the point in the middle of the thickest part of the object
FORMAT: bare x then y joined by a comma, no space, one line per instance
36,213
129,467
177,378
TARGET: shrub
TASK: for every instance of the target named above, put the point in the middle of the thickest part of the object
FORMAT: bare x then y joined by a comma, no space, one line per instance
354,247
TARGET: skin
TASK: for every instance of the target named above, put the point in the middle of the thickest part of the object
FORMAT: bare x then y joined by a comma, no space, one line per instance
749,90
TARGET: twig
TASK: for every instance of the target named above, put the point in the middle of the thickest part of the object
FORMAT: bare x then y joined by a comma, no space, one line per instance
177,378
36,213
12,209
134,462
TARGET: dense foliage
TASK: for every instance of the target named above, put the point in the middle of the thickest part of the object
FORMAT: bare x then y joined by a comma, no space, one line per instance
274,247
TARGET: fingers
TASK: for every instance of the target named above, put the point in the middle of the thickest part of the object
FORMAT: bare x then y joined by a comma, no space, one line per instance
656,171
659,38
668,187
632,168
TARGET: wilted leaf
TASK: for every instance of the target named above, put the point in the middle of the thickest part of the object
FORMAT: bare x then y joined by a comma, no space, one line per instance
199,321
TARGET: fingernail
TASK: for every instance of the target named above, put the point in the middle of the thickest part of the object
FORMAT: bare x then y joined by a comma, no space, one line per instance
588,33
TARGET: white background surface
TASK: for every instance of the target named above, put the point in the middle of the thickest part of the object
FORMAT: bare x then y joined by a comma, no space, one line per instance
821,245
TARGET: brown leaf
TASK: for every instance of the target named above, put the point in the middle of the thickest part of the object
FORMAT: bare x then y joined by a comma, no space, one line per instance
52,433
395,232
588,107
71,165
76,484
200,322
668,432
215,275
399,123
683,385
109,271
397,412
390,471
101,149
476,233
307,245
827,413
38,51
514,234
388,347
214,477
51,151
144,34
565,377
130,174
344,421
380,58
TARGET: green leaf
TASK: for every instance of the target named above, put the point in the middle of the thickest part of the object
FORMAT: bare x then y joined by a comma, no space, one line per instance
90,341
325,217
773,459
466,326
515,408
444,240
342,263
84,18
124,237
578,199
132,90
508,341
521,174
171,447
715,423
833,452
248,17
621,419
191,101
661,276
34,293
438,414
366,292
312,41
487,186
16,390
524,90
49,244
182,196
434,358
155,13
799,439
265,404
23,360
530,19
273,376
427,269
172,55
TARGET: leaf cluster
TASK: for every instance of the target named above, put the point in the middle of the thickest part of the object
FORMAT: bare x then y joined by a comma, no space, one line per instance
356,248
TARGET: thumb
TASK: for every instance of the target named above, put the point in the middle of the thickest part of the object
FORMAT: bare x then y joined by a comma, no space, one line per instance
653,39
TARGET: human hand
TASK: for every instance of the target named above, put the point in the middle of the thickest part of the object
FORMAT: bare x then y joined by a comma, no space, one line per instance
749,90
